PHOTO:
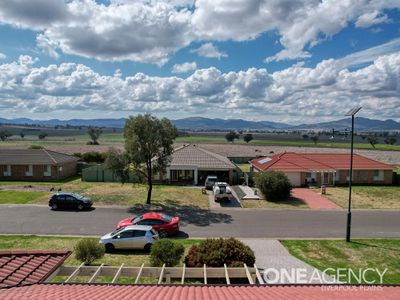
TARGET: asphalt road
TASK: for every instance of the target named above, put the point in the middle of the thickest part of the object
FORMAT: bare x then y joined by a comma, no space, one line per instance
25,219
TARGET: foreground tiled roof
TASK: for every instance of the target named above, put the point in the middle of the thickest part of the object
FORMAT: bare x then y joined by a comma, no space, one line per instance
306,162
34,157
193,155
188,292
28,267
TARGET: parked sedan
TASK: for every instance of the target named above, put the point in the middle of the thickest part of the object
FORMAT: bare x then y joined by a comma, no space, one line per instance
164,224
130,237
65,200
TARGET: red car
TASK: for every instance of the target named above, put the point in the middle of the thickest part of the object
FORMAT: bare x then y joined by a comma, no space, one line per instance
164,224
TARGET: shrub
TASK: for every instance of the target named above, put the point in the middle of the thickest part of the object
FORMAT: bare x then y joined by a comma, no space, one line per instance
166,252
274,185
88,250
35,147
217,252
94,157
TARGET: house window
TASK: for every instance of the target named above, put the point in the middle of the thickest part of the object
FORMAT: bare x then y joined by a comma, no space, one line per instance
28,170
47,170
378,175
7,170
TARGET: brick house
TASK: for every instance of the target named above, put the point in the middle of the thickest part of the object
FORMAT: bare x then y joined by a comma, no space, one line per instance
324,168
191,164
36,165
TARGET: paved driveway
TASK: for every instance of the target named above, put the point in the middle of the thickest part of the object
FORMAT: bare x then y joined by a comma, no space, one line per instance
27,219
313,199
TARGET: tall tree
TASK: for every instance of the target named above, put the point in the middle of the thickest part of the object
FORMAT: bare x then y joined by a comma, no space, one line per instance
373,140
94,133
22,134
148,145
315,139
231,136
248,137
4,135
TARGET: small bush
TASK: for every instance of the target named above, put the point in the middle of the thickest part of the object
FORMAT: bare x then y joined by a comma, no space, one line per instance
274,185
88,250
94,157
217,252
35,147
92,143
166,252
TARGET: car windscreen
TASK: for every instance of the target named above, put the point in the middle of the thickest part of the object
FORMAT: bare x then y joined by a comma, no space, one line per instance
166,218
137,219
117,231
222,189
78,196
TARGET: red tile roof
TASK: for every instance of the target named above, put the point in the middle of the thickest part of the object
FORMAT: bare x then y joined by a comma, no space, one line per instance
307,162
28,267
198,292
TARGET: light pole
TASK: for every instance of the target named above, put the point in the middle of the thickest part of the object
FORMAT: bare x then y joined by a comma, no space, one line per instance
351,113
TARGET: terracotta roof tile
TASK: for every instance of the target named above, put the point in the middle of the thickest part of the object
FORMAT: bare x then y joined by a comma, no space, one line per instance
198,292
27,267
306,162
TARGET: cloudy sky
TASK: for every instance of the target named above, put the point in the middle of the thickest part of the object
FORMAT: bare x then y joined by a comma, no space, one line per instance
281,60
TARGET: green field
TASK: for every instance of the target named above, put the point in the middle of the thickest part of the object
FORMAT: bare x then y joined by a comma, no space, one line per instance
360,253
107,193
365,196
19,197
197,139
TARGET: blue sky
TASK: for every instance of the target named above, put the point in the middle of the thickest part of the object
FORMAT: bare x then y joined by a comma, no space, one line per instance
303,61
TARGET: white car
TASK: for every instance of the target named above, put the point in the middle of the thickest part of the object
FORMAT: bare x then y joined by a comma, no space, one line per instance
222,192
130,237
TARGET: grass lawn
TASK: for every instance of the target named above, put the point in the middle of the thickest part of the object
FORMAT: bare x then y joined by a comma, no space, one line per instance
361,253
290,203
366,196
29,242
17,197
104,193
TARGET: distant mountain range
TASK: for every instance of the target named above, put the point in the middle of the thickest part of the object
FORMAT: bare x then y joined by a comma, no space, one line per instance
199,123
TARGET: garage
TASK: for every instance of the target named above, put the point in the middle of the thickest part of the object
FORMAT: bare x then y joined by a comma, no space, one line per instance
294,178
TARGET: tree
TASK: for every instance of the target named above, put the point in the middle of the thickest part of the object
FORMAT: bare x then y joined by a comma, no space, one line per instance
118,161
148,145
42,136
94,133
391,140
305,136
248,137
22,134
315,139
231,136
373,140
4,135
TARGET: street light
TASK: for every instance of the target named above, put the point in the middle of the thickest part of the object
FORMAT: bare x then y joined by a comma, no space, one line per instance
351,113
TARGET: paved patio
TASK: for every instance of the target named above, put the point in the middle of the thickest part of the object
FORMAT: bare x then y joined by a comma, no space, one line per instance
313,200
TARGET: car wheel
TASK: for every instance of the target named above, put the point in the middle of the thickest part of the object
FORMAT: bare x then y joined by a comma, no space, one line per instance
110,248
80,207
147,247
162,234
54,206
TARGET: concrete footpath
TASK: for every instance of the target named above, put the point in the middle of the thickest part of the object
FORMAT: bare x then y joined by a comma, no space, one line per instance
283,267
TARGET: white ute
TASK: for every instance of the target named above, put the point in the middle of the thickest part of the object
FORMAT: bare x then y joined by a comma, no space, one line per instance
222,192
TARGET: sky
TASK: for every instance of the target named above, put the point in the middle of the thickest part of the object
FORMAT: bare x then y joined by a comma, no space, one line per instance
300,61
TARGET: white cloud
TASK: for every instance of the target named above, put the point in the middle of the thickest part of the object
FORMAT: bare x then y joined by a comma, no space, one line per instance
152,31
371,18
297,93
2,56
184,68
209,50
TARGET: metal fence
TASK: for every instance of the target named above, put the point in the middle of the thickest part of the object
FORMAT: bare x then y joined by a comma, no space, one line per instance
99,173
